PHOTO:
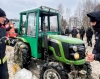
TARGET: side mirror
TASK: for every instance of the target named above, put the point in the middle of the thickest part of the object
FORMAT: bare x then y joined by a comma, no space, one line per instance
40,30
23,31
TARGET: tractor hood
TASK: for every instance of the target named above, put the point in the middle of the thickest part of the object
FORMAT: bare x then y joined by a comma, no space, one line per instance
67,39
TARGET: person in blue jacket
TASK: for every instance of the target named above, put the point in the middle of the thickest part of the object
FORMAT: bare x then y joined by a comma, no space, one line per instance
74,32
89,34
95,23
82,33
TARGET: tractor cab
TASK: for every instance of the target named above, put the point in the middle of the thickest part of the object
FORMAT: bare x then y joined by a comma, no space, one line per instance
34,23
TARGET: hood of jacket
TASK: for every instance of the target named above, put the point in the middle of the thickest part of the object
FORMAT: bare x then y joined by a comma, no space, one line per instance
95,15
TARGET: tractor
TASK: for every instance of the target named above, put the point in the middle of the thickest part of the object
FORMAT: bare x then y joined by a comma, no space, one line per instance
39,38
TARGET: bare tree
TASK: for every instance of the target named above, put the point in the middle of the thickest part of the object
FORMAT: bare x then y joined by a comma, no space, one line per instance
68,16
83,8
88,7
78,13
61,10
64,23
74,22
62,20
97,7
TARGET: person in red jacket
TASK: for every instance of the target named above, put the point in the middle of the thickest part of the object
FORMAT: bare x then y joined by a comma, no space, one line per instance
11,33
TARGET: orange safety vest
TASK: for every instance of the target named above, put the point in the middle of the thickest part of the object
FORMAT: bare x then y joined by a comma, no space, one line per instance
11,32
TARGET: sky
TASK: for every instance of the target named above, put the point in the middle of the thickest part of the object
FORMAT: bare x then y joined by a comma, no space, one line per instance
14,7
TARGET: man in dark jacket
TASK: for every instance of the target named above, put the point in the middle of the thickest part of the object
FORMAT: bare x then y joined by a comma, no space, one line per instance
3,61
82,32
74,32
89,34
95,23
67,32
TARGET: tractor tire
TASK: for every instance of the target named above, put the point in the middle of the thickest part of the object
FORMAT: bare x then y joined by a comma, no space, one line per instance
21,55
87,67
53,71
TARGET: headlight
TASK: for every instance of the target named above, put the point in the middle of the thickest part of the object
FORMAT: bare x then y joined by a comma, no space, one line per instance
76,56
75,48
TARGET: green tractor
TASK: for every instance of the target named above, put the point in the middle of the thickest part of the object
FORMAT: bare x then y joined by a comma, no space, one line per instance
39,38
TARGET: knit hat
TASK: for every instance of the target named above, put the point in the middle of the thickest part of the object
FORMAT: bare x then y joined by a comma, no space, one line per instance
2,13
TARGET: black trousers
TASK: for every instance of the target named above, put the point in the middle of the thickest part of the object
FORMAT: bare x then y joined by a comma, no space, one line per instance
81,37
89,41
4,71
74,36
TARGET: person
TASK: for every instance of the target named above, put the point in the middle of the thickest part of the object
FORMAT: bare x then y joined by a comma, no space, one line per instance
11,32
82,32
3,62
67,32
74,32
89,34
95,23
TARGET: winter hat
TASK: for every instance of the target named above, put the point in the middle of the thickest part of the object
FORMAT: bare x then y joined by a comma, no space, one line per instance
92,19
2,13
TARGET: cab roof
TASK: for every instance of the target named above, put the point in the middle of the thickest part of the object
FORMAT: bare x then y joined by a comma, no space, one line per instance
43,9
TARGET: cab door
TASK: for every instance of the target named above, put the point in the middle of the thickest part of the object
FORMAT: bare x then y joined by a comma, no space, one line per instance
32,33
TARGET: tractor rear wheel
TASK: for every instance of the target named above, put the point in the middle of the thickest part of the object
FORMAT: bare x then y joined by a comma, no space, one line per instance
53,71
21,55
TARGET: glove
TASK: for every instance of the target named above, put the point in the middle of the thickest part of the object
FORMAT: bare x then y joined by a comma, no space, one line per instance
7,42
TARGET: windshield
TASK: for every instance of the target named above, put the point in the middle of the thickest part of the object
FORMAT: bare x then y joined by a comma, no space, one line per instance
50,21
53,24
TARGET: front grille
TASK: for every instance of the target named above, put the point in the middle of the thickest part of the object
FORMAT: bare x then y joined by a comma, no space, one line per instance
68,51
81,50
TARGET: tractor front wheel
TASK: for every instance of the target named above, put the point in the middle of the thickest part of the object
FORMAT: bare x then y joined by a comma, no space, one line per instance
21,55
53,71
87,67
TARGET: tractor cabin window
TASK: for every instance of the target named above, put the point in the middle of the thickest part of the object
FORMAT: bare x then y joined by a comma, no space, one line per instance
23,24
53,24
31,29
50,21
